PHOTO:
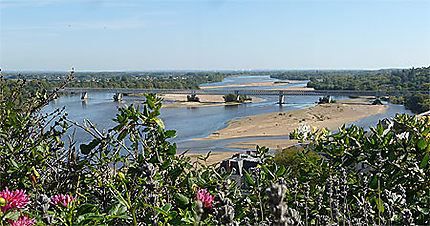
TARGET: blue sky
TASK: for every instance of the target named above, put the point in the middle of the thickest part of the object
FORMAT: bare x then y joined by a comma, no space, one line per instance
213,35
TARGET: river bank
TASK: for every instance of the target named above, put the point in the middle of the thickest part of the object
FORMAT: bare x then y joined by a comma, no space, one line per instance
251,84
276,124
180,100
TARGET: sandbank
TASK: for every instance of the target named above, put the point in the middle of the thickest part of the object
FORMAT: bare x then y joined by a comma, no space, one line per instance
214,157
180,100
273,144
330,116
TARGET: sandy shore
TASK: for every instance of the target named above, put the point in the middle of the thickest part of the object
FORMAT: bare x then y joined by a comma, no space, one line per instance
180,100
273,144
251,84
330,116
215,157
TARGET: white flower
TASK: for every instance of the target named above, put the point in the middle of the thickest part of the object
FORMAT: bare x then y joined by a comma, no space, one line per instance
304,129
403,136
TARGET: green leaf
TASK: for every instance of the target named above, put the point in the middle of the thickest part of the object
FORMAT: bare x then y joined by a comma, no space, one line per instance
172,149
86,148
167,207
159,122
150,103
380,205
173,214
122,135
181,199
170,133
281,171
206,157
160,210
87,208
267,171
118,209
9,146
249,179
36,174
421,144
374,182
14,163
166,163
425,161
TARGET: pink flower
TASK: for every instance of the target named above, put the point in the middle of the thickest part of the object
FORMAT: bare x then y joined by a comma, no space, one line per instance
64,200
205,197
14,199
22,221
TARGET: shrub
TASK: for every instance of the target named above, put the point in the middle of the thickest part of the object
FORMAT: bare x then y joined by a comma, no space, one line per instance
291,158
232,97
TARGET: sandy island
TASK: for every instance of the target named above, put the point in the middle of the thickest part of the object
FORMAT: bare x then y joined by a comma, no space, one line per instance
180,100
330,116
251,84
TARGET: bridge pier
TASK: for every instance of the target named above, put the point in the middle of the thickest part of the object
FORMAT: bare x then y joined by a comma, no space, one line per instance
84,96
281,98
117,97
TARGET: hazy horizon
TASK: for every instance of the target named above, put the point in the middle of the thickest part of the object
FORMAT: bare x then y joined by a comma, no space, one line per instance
219,70
213,35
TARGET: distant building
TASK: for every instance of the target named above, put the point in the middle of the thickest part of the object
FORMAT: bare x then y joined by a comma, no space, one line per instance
238,164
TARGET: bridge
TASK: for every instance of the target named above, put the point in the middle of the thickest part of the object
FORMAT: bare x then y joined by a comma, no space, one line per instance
281,93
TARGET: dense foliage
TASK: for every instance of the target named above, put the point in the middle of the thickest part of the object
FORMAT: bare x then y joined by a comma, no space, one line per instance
232,97
149,80
131,174
414,79
417,79
418,102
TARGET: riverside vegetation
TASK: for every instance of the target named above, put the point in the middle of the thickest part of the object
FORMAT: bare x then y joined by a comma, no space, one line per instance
131,174
414,79
147,80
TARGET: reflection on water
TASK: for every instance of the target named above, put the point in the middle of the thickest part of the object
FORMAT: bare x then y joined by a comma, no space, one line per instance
194,122
84,103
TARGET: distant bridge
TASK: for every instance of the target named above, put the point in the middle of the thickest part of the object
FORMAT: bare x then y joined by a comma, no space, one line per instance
281,93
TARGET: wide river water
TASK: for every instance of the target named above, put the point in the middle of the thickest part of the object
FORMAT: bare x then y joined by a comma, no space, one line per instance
197,122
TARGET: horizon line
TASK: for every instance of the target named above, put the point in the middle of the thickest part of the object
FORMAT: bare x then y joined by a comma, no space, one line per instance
220,70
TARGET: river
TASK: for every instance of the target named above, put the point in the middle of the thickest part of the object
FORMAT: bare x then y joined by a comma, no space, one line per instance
197,122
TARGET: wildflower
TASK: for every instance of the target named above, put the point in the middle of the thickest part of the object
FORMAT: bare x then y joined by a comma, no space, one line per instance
23,221
204,197
64,200
305,129
402,136
13,199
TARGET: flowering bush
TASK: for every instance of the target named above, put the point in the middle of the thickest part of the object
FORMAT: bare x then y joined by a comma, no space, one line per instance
13,199
204,197
22,221
12,203
64,200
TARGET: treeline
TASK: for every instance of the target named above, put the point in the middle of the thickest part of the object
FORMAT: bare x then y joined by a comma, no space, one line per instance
149,80
414,79
407,79
156,80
